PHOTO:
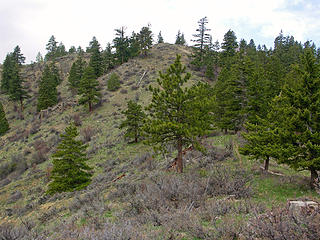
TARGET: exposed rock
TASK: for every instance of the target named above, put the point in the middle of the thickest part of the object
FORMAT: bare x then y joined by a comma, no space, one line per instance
298,205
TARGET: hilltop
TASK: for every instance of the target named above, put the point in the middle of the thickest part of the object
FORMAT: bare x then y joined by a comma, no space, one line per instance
133,194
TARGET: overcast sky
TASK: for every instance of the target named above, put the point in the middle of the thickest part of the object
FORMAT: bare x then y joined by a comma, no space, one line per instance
30,23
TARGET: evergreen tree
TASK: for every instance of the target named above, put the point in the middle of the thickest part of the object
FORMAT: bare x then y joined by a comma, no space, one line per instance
134,48
229,46
177,115
145,39
180,39
113,83
202,38
160,38
61,50
93,45
121,44
96,62
4,125
134,120
76,73
70,171
108,59
39,58
48,94
17,92
7,73
18,56
89,88
12,82
51,47
298,111
231,94
261,141
72,49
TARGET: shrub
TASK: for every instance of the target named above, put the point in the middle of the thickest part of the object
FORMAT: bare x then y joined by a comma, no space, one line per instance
123,91
114,82
77,119
283,223
87,133
41,150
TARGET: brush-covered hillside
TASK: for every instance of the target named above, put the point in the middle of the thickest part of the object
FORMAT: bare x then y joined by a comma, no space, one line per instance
134,193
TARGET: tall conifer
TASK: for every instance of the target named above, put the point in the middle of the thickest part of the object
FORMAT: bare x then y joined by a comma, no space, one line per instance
89,88
178,115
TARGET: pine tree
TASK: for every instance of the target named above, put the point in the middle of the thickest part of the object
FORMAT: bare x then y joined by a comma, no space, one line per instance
180,39
134,48
17,92
113,83
160,38
18,56
48,94
39,58
7,73
89,88
70,171
108,58
76,73
177,115
93,45
12,82
4,125
298,111
261,140
61,50
145,39
96,60
202,38
72,50
121,44
51,47
134,120
229,46
231,94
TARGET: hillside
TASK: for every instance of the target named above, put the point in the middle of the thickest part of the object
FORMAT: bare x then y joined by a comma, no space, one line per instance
133,195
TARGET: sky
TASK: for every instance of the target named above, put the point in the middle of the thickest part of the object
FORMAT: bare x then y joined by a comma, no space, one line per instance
30,23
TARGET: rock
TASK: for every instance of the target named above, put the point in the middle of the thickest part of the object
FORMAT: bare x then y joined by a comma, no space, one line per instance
298,205
9,212
15,196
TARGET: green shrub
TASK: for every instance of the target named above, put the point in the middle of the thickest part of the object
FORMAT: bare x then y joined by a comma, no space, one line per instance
114,82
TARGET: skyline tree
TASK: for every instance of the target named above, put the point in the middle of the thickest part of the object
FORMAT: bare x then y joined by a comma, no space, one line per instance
160,38
51,47
202,38
145,39
121,44
180,40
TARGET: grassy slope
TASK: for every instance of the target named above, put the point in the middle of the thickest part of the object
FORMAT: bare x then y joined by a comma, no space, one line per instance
110,155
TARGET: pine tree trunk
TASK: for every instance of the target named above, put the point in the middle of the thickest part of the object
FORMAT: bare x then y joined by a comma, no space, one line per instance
136,139
21,109
314,176
266,164
90,107
179,158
